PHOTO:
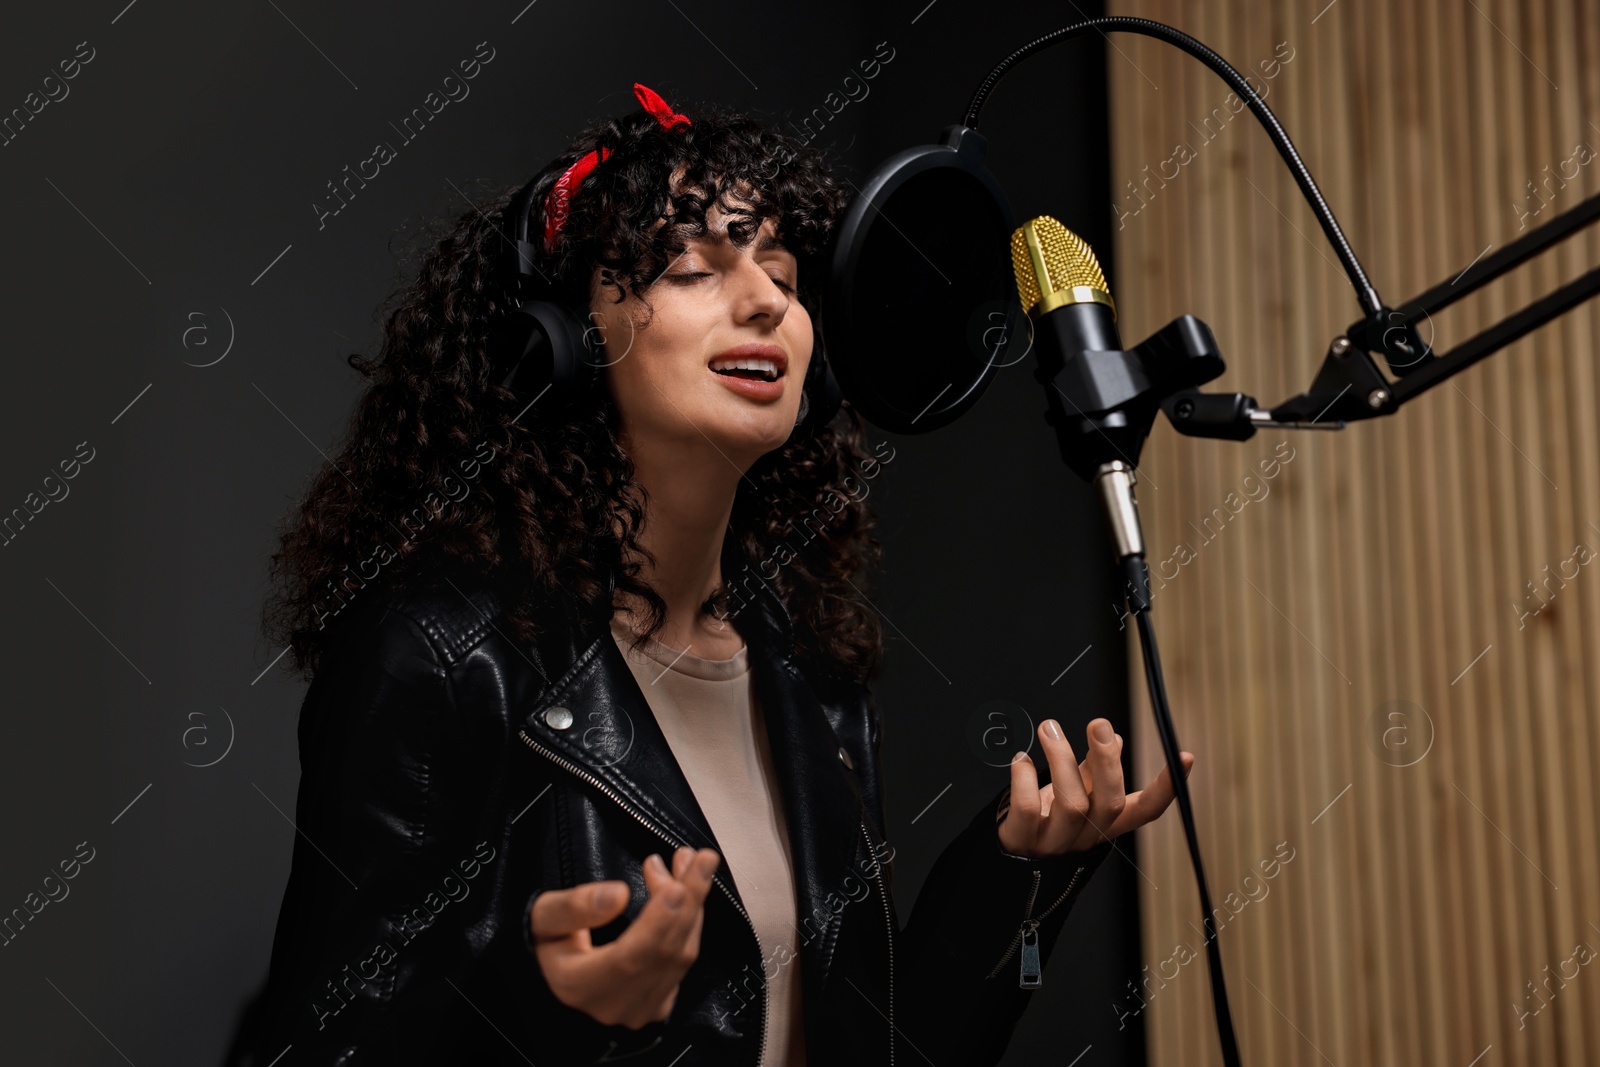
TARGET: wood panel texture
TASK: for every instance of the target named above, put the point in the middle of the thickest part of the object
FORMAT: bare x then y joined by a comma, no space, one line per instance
1382,643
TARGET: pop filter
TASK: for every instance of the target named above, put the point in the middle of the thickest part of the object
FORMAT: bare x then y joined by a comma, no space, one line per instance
921,301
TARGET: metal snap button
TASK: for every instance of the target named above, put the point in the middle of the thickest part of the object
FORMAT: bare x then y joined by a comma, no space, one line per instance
558,718
844,757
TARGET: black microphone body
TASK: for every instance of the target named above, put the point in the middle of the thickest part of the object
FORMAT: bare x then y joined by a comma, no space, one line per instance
1079,353
1102,399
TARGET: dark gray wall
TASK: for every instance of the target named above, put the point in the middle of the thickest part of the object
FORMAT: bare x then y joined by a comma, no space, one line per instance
162,210
997,559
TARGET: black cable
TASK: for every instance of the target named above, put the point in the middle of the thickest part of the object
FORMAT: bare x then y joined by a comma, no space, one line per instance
1169,745
1136,577
1366,295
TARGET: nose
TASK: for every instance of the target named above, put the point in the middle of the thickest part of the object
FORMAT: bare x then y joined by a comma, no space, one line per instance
759,297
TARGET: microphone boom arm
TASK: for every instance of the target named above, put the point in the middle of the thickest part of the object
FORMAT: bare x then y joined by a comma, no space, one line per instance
1350,386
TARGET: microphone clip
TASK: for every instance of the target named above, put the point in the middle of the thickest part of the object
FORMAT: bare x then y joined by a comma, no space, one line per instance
1103,403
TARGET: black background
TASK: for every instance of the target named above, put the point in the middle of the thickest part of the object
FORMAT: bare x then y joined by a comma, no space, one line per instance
172,190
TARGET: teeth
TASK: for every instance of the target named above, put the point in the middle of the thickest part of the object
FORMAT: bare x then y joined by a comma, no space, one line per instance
766,366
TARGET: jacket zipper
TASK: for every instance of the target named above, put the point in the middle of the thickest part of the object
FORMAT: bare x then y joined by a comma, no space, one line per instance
888,918
1032,974
653,828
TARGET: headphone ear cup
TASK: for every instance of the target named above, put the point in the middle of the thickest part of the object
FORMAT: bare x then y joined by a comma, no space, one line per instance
821,386
543,346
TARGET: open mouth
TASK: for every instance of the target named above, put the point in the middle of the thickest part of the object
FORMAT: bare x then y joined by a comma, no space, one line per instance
752,374
751,369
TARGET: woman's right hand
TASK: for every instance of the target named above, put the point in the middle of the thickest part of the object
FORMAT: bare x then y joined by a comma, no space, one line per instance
632,980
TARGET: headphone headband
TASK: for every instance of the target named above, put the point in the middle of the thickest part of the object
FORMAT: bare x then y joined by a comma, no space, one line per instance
541,345
523,251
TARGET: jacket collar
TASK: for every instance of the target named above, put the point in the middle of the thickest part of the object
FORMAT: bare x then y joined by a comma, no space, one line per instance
608,736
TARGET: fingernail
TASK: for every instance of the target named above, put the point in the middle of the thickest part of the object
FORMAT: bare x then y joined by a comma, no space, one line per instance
1052,729
1020,756
1103,732
607,895
654,860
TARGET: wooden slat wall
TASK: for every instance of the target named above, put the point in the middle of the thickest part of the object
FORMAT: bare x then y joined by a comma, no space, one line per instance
1387,562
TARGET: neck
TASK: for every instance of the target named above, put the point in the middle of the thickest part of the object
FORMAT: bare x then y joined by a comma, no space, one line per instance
685,523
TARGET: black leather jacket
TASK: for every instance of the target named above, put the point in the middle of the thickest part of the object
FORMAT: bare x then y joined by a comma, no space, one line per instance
450,774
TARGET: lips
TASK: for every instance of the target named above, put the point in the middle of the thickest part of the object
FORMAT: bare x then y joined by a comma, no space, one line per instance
753,388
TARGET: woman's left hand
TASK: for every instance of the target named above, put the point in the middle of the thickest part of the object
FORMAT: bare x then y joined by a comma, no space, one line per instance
1084,803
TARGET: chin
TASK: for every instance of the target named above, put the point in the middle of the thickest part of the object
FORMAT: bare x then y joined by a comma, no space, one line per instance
757,436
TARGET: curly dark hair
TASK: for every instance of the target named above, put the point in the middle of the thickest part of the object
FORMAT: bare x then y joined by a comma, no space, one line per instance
559,511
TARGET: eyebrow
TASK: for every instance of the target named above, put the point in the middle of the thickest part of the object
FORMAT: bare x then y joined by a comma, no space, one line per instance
767,242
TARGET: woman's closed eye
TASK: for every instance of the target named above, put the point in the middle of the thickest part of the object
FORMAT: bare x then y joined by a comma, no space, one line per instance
690,275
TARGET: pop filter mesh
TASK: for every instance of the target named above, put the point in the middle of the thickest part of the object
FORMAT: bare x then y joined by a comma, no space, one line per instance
931,298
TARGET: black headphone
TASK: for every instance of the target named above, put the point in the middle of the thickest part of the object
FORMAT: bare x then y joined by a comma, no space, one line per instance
541,346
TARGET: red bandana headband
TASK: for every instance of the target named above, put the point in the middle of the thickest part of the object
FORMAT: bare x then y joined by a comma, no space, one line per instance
558,202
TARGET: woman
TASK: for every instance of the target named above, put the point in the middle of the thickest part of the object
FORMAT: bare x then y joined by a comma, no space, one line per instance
590,768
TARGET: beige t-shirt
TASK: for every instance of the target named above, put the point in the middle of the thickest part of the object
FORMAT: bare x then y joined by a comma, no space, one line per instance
713,722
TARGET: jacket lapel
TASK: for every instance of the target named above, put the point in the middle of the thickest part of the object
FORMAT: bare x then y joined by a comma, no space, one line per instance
595,716
608,732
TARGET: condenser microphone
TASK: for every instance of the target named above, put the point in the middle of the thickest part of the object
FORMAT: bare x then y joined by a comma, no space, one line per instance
1090,381
1093,388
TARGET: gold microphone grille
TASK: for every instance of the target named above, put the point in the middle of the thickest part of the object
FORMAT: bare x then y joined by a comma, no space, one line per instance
1050,259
